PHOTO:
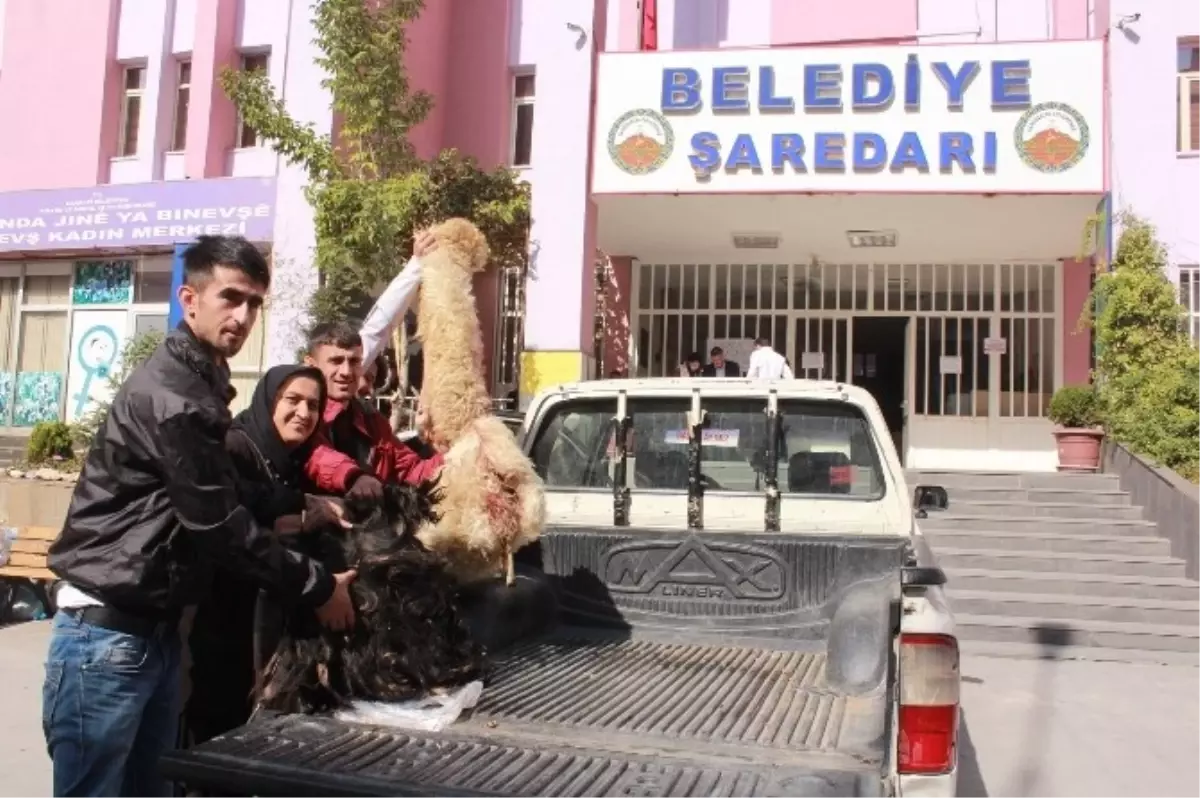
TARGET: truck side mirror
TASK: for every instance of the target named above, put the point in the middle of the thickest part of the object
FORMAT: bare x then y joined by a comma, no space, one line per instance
929,497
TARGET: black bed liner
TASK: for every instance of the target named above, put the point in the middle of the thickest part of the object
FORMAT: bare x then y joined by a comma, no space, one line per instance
765,692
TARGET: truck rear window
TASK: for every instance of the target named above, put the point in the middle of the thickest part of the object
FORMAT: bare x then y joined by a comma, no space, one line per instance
826,448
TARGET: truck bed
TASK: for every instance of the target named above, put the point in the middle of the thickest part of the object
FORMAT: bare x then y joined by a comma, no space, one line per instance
773,686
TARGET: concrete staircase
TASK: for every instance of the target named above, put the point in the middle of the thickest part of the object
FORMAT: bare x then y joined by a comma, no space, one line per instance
1059,565
12,449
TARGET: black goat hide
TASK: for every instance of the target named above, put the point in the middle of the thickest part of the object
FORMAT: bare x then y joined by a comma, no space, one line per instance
410,635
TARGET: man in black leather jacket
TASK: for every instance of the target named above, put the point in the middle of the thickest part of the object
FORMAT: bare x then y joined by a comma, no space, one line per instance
155,508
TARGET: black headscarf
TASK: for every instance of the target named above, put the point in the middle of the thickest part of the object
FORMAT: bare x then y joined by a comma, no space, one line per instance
258,422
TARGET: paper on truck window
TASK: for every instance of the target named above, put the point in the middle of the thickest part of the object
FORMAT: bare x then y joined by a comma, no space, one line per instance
721,438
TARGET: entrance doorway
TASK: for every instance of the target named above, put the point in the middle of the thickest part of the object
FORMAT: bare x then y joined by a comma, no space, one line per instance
878,365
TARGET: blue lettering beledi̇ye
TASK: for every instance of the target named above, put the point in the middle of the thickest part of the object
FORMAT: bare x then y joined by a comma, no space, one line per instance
733,90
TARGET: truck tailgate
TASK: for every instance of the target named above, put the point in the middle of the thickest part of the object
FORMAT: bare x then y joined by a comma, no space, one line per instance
684,664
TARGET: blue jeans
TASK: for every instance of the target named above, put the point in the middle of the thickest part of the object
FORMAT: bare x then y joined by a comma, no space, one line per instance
110,707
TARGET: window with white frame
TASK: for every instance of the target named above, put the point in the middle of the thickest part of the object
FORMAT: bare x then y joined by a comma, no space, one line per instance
522,115
134,86
248,136
1188,94
183,98
1189,297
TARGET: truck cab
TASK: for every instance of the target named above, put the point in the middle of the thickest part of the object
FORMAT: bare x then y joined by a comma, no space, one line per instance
734,599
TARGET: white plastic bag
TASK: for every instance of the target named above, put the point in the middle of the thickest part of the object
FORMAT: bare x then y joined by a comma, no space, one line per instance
431,713
7,535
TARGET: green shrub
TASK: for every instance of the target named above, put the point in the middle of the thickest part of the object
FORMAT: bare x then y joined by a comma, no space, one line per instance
1147,368
49,441
1075,406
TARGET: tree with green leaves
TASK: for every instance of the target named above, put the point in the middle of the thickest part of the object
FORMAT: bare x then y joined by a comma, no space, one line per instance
1147,368
368,189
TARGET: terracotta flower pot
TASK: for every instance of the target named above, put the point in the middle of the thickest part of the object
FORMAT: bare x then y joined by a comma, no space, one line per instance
1078,449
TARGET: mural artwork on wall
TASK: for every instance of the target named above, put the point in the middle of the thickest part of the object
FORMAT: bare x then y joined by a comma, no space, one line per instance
103,282
6,386
96,340
37,399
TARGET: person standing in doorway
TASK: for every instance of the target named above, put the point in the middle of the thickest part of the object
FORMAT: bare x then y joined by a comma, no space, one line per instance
690,367
766,363
719,366
154,514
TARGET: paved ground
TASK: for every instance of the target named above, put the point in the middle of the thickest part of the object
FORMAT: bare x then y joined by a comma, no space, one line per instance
1032,727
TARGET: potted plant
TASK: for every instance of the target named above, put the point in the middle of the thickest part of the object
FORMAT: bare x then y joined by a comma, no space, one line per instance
1075,411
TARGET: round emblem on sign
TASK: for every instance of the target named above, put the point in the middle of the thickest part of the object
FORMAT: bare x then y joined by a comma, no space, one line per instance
640,141
1051,137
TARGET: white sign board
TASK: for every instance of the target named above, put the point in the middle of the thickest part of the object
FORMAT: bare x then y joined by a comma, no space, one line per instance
812,360
1025,117
97,338
950,364
995,346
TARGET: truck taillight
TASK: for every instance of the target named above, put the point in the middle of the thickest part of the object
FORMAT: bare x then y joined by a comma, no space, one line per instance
929,683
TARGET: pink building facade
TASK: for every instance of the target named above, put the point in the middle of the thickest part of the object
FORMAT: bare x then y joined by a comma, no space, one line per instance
952,291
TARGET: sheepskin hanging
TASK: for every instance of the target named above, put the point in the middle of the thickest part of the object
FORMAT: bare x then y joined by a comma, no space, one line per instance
492,503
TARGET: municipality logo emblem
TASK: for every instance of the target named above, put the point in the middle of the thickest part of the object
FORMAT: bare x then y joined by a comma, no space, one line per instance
1051,137
640,141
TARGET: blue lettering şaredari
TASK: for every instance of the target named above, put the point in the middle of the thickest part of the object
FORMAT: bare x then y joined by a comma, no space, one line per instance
870,152
910,154
743,154
768,100
706,153
680,90
1010,84
989,152
862,96
954,148
829,152
822,86
731,88
956,83
787,148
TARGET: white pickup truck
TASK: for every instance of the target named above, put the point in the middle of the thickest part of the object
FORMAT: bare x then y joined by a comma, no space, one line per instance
732,597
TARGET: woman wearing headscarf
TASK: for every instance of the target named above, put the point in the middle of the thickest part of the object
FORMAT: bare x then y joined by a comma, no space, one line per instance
269,442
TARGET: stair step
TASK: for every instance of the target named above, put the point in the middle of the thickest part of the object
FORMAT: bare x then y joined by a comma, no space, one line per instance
1032,523
984,648
1037,542
1059,562
1167,588
1045,509
1103,634
1014,479
976,493
1067,607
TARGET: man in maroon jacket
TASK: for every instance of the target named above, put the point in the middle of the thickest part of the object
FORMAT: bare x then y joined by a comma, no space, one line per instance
356,450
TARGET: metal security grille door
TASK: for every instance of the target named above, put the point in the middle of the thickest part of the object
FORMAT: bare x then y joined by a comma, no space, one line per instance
982,351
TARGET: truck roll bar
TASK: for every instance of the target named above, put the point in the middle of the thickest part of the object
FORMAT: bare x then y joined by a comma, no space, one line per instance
771,466
621,423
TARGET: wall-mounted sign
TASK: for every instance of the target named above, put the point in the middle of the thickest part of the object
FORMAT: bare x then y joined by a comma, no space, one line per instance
812,360
950,364
995,346
137,214
955,118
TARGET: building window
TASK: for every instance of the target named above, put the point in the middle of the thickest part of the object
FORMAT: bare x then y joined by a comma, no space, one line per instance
183,97
1188,94
522,139
511,328
247,136
1189,297
131,110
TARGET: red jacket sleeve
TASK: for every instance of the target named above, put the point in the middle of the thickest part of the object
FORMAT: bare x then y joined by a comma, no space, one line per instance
406,465
328,469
